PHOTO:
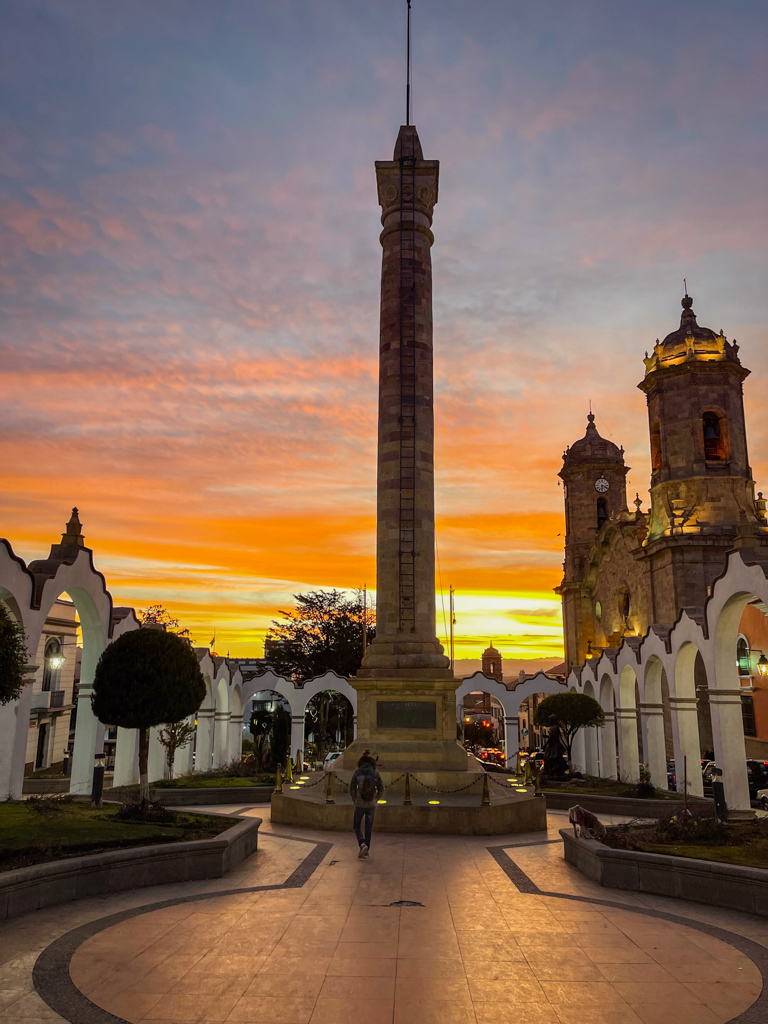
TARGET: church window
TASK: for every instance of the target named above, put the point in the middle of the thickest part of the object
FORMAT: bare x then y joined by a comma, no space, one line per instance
713,439
602,512
656,461
742,656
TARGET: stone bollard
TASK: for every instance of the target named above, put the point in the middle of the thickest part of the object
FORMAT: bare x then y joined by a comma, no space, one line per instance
407,795
537,782
329,788
288,770
486,801
299,762
279,780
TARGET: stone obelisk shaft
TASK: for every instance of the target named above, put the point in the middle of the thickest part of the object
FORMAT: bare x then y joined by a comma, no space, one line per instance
406,644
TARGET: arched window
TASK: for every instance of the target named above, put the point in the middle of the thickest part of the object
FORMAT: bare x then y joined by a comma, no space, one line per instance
602,512
656,462
52,664
713,439
742,656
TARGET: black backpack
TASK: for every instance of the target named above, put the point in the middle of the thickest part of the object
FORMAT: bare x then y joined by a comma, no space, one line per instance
367,788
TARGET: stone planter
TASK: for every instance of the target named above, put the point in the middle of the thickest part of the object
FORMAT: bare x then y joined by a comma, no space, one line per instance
46,885
703,881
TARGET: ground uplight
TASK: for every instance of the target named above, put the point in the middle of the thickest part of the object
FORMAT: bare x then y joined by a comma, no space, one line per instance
295,787
434,801
381,801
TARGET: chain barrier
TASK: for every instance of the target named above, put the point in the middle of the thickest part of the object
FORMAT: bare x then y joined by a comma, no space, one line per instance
323,778
505,785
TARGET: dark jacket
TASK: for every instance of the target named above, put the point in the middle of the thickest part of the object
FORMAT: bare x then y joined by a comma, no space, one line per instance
365,771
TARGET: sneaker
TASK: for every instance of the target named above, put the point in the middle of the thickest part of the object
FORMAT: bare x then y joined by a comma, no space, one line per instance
367,851
363,851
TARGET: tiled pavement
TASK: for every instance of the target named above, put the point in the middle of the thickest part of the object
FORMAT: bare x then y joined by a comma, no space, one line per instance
336,950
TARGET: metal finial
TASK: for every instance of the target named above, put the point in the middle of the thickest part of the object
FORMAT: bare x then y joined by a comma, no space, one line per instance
408,68
685,287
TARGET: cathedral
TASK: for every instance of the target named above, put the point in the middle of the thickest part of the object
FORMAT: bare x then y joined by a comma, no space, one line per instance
628,570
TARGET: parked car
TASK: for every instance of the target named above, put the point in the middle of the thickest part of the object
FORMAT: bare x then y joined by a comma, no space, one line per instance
492,755
331,759
671,776
762,798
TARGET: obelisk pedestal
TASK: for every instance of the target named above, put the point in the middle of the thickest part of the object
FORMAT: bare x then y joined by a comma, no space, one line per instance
406,690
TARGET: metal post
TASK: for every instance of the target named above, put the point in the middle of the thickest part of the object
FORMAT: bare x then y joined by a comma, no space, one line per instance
329,788
98,779
279,780
407,796
486,801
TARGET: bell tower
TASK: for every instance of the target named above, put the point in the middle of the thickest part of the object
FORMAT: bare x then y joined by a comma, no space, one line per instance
700,474
595,491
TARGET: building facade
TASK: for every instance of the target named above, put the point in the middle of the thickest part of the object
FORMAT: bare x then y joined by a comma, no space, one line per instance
627,571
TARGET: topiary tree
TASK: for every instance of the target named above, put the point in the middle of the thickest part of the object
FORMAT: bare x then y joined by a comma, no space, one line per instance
574,711
147,677
13,657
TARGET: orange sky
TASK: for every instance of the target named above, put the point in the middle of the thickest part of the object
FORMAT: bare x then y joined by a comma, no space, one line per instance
189,270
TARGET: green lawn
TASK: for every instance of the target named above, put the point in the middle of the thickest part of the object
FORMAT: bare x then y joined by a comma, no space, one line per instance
33,834
606,787
755,855
208,780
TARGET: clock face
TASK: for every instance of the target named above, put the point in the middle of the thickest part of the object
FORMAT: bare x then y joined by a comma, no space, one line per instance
601,484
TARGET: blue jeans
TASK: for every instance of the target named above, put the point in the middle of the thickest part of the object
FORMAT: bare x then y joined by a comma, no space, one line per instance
361,812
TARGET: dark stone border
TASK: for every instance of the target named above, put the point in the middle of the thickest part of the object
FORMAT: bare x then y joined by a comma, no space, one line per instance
55,987
51,977
189,796
757,1013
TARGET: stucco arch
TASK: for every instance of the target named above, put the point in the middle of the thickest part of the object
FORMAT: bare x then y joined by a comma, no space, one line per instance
683,706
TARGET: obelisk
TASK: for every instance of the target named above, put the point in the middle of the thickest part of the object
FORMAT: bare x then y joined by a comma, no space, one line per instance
406,689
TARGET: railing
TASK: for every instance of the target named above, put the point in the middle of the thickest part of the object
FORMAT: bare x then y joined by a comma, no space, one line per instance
57,699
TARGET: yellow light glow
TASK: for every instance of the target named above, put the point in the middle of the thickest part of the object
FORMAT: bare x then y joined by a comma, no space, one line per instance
522,791
304,778
294,787
511,780
381,801
434,801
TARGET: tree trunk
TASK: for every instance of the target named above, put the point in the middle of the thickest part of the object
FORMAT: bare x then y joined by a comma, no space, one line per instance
143,769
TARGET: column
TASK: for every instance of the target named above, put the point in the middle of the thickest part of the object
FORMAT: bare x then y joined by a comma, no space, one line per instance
685,736
86,736
204,740
221,739
629,755
156,758
126,758
608,747
654,750
591,754
354,726
183,761
235,741
730,752
579,752
297,735
512,740
14,729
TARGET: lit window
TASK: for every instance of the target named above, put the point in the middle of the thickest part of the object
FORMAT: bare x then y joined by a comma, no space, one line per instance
742,656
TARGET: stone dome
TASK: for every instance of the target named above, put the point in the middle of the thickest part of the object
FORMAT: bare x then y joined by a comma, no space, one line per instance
688,328
593,448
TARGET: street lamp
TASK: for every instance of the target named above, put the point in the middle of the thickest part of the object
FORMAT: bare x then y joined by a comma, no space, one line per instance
762,665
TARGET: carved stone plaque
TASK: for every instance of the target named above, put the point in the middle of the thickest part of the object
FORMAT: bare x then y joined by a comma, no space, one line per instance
406,714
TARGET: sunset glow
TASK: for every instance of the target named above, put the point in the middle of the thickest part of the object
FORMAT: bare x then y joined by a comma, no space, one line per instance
189,276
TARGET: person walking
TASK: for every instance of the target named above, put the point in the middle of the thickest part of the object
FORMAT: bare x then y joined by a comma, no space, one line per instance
365,789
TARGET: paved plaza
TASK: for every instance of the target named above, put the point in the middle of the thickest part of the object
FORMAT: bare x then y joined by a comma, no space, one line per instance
429,929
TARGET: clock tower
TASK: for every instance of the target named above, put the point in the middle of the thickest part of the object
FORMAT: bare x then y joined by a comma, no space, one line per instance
594,488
